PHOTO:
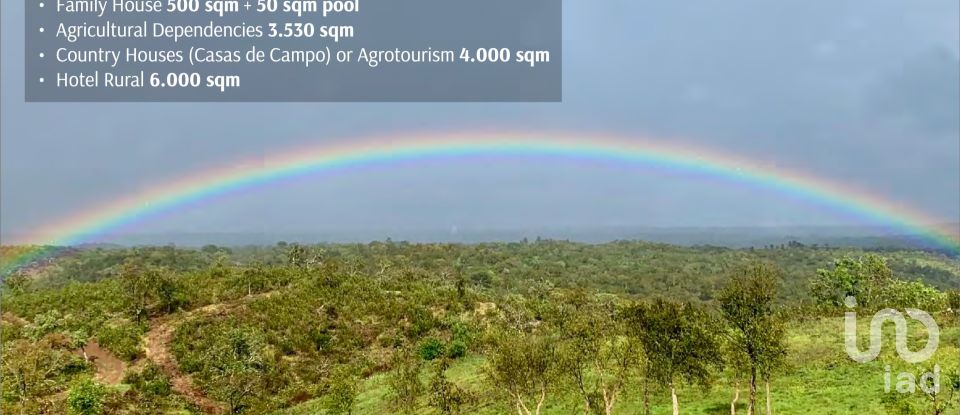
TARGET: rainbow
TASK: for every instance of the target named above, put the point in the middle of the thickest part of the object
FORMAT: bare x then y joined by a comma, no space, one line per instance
87,224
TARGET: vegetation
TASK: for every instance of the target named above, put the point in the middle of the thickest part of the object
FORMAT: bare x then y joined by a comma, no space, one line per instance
544,327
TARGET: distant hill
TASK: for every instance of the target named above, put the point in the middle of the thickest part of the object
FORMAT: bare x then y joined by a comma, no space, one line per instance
733,237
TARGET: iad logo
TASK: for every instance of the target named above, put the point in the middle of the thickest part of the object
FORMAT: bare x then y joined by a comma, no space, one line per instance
930,381
876,334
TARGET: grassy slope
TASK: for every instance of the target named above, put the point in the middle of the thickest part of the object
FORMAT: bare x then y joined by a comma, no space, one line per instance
821,380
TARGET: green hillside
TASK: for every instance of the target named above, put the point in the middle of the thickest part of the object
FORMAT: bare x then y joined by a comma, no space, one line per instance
393,327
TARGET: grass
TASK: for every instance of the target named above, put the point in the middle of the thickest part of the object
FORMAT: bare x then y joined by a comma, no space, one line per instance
820,379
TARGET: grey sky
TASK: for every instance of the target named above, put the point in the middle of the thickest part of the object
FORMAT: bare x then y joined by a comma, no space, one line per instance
861,91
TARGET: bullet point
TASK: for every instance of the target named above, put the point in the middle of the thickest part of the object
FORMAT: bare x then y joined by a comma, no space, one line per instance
41,80
41,54
41,30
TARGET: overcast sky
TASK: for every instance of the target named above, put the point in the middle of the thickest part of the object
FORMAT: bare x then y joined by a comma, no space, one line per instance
864,92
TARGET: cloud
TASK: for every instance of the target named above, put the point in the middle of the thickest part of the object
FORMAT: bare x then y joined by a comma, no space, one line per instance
923,94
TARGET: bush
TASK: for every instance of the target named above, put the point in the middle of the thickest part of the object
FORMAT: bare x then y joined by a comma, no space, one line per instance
899,404
462,332
953,300
901,294
430,349
403,380
447,397
86,398
342,394
421,322
457,349
321,340
122,339
150,381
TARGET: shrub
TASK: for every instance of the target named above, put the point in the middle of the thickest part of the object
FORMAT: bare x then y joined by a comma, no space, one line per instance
421,321
953,300
462,332
121,338
447,397
150,381
342,394
457,349
899,404
404,381
912,294
430,349
86,398
321,340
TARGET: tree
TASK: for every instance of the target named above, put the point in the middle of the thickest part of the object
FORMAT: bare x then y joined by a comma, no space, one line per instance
747,303
938,399
78,339
738,366
404,381
168,292
18,282
523,366
235,367
148,287
861,278
598,356
446,396
342,391
250,279
678,341
44,324
135,284
30,370
297,255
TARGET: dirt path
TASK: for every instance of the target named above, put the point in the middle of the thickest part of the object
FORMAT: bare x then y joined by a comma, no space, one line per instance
109,368
157,348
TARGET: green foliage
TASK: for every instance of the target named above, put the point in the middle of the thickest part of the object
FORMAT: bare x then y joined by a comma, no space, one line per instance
679,339
858,278
421,321
44,324
251,280
457,349
595,352
896,403
404,381
431,348
86,398
262,333
342,392
871,283
150,382
758,335
146,288
233,368
524,368
445,396
122,338
461,331
953,300
901,294
17,283
91,265
33,370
